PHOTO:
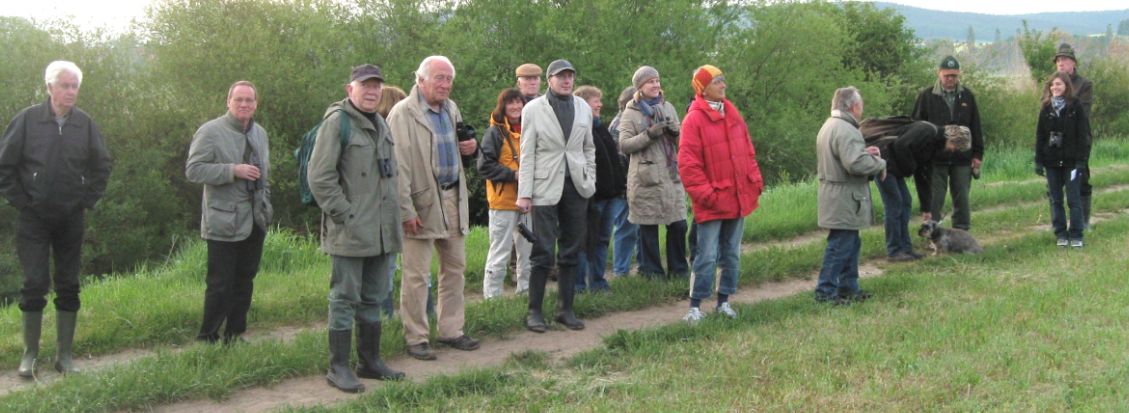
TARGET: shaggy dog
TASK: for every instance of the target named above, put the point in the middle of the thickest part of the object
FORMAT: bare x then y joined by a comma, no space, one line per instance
948,239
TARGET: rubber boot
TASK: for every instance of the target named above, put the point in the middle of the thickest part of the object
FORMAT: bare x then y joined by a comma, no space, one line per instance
340,375
369,365
1086,202
566,294
64,328
33,326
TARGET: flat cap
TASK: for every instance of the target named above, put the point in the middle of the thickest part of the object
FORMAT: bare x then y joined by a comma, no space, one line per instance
528,69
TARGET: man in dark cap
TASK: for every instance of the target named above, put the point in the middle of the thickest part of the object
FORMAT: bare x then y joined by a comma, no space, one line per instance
1065,62
556,177
948,102
357,190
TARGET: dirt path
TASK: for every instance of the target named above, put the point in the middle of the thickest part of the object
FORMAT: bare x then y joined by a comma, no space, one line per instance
559,344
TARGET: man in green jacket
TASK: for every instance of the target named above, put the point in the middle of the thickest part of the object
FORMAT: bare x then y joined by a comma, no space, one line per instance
230,156
356,187
844,164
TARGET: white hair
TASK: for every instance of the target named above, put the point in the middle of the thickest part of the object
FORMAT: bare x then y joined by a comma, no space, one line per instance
51,75
424,71
845,98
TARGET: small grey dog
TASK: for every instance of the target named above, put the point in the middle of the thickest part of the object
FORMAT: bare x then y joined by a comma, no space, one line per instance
948,239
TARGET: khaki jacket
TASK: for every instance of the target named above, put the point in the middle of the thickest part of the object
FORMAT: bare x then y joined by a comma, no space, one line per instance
655,195
360,210
544,152
844,169
230,205
419,186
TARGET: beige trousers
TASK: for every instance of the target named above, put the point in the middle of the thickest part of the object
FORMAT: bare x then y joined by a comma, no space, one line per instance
416,261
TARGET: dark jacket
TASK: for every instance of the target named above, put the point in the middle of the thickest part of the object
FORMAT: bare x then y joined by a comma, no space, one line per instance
53,168
611,172
1074,126
911,154
1084,91
930,106
498,160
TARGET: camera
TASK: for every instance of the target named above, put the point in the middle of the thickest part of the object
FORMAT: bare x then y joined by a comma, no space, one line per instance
526,233
1055,141
464,131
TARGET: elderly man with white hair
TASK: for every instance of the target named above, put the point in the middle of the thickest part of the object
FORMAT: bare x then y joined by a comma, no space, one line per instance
433,205
53,167
845,165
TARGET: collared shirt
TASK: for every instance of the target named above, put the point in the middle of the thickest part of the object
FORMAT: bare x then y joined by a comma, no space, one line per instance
950,97
446,145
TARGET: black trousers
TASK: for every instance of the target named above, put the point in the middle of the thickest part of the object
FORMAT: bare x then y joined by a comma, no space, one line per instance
563,226
231,273
650,262
40,234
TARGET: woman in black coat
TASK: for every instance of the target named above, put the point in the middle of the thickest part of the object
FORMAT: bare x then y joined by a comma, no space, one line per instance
1062,153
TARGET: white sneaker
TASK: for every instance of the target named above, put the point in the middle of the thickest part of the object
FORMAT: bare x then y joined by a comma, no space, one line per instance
1062,242
694,316
724,308
1076,243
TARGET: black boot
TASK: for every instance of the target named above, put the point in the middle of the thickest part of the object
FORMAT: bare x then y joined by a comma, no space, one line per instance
33,326
340,375
1086,211
64,328
535,322
566,293
369,365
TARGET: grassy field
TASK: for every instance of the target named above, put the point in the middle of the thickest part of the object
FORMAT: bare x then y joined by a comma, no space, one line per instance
158,308
1024,327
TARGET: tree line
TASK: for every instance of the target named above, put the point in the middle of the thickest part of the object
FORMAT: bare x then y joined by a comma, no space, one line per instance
151,86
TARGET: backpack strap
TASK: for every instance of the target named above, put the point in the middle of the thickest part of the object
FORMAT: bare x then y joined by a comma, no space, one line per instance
343,130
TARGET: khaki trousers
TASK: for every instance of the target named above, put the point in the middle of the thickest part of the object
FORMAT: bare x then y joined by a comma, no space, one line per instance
416,263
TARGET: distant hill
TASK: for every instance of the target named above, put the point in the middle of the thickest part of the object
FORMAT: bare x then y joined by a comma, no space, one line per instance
932,24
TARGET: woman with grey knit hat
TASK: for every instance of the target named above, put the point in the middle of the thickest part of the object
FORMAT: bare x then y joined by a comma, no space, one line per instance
648,133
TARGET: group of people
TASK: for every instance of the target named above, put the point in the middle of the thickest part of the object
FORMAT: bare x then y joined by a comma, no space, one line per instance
941,146
387,170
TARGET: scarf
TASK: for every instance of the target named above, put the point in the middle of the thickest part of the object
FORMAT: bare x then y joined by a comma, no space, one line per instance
1057,103
718,106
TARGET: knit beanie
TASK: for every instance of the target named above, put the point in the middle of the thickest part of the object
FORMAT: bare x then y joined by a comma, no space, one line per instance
703,76
959,136
642,75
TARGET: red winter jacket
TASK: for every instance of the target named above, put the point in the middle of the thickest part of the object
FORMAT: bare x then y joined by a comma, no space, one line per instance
717,163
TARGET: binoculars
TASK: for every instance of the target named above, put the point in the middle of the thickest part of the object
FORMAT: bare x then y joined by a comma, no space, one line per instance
1055,141
464,131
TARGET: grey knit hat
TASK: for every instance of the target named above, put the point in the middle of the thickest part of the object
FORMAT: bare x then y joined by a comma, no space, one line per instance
642,75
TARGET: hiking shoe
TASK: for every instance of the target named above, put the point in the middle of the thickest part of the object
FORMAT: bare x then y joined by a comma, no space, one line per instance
694,316
421,351
901,257
463,342
859,296
725,309
1076,243
1062,242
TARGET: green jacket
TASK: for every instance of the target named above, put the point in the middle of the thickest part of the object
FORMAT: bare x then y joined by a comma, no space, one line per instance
844,169
360,210
230,205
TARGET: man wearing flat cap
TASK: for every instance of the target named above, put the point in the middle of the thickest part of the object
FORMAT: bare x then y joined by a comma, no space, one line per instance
1065,62
529,81
355,183
948,102
556,177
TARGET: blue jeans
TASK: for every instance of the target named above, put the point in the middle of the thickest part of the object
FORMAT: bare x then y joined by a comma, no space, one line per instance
840,272
897,203
626,237
1057,179
719,245
594,257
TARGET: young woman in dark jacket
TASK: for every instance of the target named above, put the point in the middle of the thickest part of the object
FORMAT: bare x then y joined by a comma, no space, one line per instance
611,183
1062,153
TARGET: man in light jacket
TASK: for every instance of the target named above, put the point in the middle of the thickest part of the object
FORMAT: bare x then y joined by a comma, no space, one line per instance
844,164
556,177
230,156
433,206
356,188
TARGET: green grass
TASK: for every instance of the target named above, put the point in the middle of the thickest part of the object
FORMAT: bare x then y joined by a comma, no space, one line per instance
1023,327
159,307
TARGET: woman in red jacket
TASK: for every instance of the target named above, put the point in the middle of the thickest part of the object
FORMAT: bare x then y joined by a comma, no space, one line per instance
718,167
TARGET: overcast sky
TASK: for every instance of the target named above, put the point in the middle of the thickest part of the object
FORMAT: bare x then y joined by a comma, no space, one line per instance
117,13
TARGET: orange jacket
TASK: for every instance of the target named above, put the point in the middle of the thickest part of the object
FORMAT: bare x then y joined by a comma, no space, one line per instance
498,163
